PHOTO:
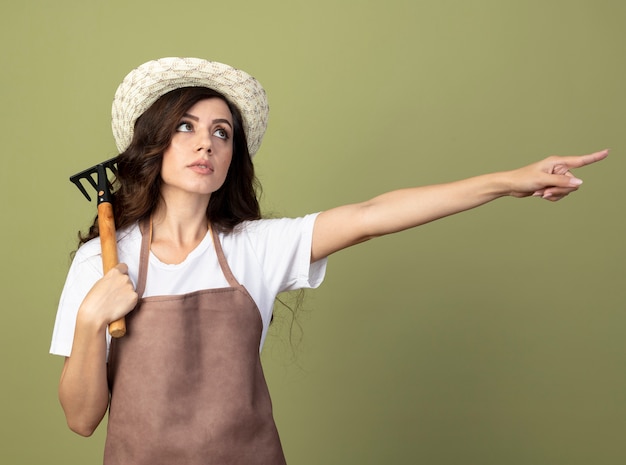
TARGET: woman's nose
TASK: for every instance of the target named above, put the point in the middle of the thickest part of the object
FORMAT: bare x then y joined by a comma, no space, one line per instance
204,142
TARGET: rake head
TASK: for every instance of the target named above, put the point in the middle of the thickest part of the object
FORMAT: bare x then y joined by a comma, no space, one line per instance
97,177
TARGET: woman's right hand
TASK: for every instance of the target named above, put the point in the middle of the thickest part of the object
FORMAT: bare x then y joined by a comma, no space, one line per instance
111,298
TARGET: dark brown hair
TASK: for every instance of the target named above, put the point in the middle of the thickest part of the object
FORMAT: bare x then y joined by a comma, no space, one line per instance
137,188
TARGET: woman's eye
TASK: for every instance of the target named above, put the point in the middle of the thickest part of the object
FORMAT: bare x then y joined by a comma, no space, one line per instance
184,127
221,133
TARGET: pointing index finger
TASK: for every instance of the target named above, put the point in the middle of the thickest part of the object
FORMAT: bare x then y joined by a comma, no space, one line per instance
584,160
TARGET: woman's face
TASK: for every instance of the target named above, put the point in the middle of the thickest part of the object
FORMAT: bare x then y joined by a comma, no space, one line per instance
199,155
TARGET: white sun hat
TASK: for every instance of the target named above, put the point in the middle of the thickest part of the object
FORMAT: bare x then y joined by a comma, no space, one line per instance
144,85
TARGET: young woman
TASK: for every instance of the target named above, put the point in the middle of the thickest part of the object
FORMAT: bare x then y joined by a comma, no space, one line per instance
200,269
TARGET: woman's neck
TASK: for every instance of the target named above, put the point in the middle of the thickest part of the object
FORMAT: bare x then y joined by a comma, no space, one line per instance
177,229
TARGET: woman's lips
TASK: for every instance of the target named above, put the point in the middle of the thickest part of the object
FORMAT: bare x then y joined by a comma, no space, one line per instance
201,167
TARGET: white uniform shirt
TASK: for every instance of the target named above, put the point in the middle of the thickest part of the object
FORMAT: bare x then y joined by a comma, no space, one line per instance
266,256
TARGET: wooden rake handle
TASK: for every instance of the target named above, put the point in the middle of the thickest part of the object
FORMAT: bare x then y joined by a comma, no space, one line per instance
108,241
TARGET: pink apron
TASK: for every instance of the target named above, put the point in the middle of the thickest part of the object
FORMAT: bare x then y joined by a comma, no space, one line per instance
186,381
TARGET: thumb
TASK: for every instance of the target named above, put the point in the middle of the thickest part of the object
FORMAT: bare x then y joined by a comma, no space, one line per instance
565,180
122,268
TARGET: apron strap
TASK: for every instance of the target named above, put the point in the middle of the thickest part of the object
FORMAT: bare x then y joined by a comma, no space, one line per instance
145,226
228,274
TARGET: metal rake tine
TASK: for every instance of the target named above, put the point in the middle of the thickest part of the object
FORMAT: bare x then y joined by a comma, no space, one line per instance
76,180
113,169
81,188
90,172
112,166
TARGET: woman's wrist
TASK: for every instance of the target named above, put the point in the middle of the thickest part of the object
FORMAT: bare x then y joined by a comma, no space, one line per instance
90,320
495,185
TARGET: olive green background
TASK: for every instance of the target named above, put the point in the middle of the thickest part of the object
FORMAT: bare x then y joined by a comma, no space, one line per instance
492,337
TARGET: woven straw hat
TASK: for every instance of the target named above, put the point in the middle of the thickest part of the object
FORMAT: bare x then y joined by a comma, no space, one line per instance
145,84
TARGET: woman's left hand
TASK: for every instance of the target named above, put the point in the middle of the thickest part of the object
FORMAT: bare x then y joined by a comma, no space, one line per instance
551,178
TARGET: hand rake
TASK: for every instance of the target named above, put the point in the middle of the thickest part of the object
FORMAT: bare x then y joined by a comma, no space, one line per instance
106,221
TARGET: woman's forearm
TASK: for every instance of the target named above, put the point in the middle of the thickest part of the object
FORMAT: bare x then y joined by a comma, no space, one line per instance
398,210
83,389
407,208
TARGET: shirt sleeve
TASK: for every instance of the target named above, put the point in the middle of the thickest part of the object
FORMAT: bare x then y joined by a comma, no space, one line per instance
283,249
85,270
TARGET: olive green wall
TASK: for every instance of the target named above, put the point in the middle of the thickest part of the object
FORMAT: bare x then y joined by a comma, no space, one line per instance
494,337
